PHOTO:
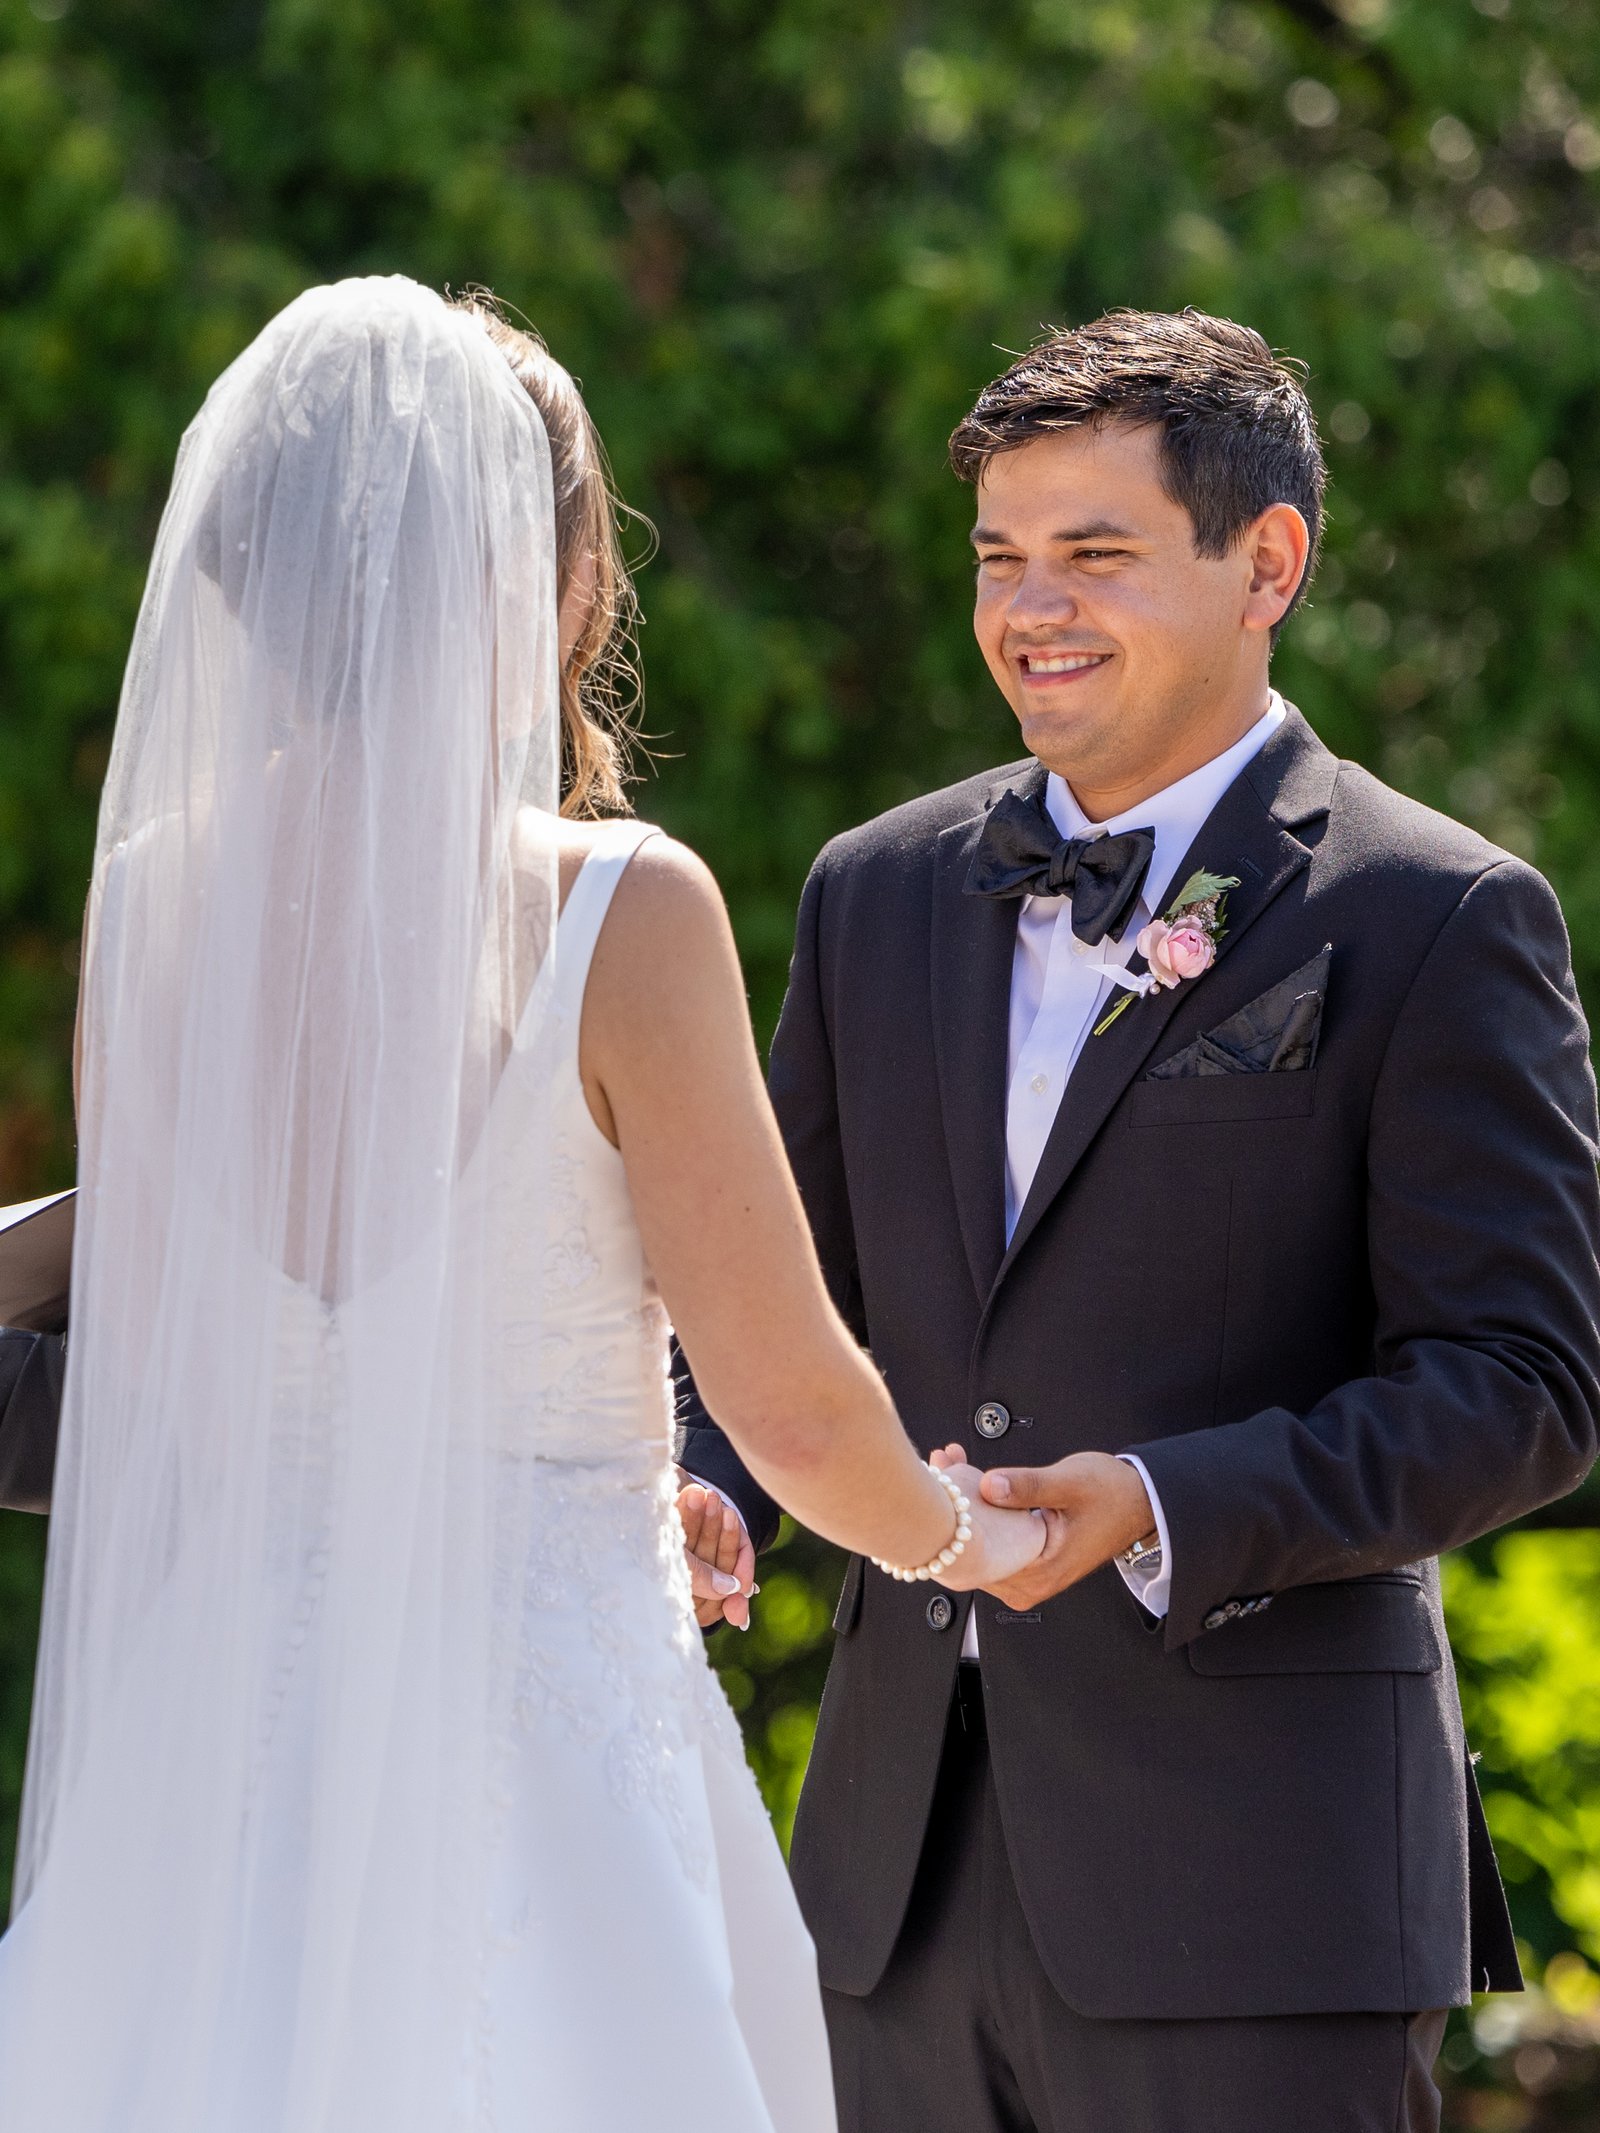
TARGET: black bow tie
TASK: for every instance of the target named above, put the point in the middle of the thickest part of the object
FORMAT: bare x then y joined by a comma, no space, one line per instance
1022,853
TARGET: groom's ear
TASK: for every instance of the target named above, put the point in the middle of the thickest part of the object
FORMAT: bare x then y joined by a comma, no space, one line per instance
1277,548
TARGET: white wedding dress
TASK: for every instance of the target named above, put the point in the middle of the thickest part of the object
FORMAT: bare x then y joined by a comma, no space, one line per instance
641,1962
645,1964
378,1781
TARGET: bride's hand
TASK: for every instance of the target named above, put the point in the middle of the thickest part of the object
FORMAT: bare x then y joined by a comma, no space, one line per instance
1002,1543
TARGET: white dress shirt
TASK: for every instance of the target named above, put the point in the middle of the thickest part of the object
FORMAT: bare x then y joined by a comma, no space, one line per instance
1059,989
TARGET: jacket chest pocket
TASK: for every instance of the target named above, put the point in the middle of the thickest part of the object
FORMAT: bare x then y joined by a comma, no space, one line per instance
1222,1099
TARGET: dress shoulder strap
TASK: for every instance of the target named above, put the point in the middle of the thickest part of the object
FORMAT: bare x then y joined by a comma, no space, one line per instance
584,913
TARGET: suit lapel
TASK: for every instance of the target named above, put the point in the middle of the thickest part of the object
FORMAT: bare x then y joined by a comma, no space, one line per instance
974,939
1250,832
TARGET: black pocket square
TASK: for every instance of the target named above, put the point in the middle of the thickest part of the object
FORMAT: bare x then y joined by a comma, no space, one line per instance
1276,1033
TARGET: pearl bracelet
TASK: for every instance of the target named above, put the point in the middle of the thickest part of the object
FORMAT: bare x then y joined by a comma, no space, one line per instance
962,1507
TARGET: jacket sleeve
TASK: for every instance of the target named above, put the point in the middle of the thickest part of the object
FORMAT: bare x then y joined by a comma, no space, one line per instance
805,1097
1483,1229
32,1366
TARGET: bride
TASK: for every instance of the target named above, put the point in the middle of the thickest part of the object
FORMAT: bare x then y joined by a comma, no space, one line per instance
378,1782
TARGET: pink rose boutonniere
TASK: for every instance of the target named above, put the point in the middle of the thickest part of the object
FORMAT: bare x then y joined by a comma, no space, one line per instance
1182,945
1176,952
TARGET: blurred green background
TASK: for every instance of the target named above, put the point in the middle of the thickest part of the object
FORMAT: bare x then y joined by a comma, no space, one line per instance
783,243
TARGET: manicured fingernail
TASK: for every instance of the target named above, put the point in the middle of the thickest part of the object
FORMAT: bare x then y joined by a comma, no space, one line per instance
723,1582
998,1487
754,1589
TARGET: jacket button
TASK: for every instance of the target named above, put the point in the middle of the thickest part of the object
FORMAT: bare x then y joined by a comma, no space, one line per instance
992,1420
941,1611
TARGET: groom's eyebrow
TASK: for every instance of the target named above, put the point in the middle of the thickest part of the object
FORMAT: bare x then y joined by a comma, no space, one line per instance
1097,529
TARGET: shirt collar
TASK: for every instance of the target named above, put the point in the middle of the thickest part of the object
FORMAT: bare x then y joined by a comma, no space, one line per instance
1175,814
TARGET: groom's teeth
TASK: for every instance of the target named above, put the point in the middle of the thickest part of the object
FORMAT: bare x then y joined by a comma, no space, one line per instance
1065,666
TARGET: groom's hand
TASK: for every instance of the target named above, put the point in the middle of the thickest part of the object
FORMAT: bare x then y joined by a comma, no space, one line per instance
1095,1506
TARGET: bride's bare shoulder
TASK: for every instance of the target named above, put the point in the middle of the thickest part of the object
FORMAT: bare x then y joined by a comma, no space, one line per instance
665,977
667,906
666,937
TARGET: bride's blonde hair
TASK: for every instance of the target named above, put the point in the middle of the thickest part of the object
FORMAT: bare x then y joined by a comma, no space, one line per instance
601,686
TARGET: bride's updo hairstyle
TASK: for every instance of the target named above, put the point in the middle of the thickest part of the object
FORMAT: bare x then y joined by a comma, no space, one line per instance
600,685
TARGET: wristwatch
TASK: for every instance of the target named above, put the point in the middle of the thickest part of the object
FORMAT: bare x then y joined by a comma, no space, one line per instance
1144,1555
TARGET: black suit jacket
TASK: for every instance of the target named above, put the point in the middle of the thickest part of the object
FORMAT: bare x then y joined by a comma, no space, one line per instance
1346,1316
32,1367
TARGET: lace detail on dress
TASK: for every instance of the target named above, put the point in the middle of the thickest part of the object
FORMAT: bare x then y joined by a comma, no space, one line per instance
609,1649
571,1374
569,1261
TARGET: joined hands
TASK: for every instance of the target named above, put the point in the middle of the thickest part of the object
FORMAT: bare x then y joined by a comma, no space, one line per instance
1004,1543
1091,1507
1035,1531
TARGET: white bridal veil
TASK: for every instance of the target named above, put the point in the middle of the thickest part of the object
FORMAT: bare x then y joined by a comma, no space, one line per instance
262,1786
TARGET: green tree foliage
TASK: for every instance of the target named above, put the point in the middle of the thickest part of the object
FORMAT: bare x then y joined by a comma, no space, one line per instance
1524,1609
784,242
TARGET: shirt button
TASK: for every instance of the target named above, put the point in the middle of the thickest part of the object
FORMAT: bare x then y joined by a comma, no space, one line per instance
1039,1084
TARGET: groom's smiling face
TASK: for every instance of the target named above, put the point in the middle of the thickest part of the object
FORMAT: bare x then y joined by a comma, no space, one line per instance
1128,658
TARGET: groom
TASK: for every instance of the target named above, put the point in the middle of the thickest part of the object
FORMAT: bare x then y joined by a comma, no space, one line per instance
1202,1135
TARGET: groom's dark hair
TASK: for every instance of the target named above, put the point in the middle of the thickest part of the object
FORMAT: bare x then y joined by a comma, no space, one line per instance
1237,431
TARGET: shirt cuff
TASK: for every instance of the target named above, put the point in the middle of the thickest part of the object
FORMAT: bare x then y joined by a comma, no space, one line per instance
1151,1588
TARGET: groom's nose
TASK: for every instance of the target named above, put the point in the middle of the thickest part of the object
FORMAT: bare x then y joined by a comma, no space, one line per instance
1042,599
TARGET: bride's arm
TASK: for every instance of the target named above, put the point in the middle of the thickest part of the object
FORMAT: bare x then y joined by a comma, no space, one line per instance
671,1073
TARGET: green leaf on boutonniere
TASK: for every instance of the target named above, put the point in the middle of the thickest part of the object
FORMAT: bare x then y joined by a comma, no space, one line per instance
1201,888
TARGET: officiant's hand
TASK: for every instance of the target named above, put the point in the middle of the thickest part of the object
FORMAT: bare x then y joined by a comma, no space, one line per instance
1094,1507
722,1562
1003,1544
